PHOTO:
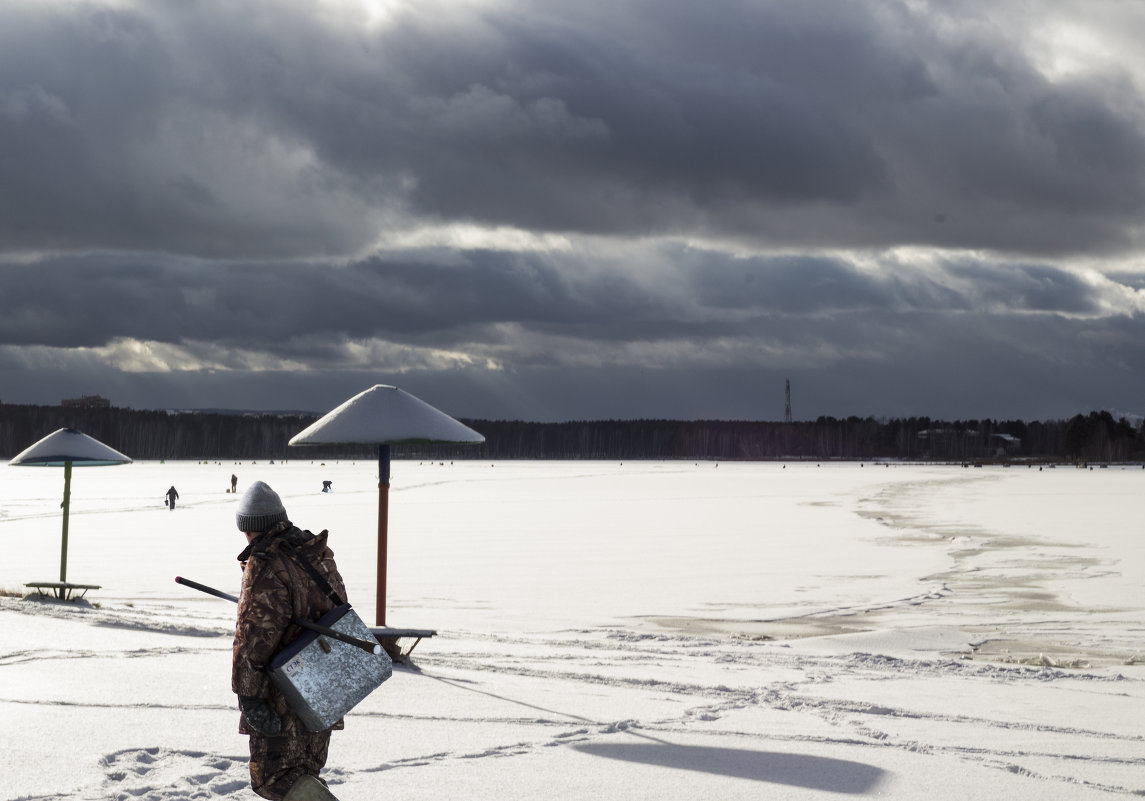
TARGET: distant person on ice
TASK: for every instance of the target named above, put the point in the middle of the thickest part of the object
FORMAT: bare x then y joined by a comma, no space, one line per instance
285,757
172,494
234,483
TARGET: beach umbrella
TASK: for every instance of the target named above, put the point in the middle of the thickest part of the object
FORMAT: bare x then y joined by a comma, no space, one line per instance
68,448
385,416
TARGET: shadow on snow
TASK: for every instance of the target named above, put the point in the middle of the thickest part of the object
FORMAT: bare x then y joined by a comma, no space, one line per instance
800,770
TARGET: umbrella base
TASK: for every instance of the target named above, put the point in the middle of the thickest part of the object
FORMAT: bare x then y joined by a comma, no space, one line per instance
391,638
64,590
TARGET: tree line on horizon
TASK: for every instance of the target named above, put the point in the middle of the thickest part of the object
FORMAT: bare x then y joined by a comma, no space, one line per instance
156,434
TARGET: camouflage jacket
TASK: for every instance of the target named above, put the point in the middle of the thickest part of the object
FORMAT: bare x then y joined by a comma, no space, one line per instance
276,588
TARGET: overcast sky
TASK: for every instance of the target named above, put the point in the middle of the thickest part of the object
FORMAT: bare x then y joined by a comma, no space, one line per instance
558,211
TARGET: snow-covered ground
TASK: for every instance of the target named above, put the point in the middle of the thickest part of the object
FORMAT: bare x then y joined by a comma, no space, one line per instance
606,630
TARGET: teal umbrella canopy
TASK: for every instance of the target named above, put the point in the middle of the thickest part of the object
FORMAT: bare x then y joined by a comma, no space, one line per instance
69,445
68,448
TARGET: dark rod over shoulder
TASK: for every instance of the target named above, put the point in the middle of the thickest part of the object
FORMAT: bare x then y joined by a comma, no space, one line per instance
204,588
365,645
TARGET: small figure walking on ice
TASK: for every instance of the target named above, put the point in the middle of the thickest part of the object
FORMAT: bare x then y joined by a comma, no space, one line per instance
172,494
234,483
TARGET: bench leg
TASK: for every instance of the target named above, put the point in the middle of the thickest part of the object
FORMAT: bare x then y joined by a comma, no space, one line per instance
393,651
410,651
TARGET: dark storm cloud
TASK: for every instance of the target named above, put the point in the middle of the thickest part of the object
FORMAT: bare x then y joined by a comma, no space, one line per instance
279,129
858,345
906,208
300,310
87,301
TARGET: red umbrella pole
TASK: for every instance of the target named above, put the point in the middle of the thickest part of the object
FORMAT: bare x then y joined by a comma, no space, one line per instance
383,528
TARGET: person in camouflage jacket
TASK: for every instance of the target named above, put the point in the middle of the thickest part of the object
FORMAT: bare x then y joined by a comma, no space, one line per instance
275,589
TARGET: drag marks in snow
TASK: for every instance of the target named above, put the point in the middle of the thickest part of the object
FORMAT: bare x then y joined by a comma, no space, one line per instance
155,619
46,655
152,619
709,688
1044,751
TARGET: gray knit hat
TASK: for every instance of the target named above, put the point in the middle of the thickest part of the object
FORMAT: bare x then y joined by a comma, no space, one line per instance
259,508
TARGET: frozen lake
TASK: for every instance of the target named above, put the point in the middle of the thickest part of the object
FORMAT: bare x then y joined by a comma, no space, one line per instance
746,548
905,631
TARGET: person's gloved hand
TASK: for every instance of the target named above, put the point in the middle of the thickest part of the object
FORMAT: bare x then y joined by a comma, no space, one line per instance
259,716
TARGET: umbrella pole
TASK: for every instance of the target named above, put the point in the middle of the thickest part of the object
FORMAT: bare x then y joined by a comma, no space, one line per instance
383,528
66,505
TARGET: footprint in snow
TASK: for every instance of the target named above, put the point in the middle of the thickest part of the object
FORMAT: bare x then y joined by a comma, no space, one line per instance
161,774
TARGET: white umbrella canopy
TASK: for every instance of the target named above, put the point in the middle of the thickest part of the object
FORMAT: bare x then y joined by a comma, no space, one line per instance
68,445
384,415
67,448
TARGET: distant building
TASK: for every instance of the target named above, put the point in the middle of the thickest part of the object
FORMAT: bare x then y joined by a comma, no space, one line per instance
968,443
86,402
1007,444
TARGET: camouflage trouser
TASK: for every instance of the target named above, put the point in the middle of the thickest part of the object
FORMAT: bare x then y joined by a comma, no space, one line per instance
276,763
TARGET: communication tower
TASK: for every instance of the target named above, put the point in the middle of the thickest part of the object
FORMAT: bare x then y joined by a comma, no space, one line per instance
787,406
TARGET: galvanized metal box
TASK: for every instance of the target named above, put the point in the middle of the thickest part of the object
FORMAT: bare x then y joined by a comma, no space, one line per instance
323,678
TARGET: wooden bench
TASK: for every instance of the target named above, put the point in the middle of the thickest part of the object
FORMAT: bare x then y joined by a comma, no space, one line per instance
61,589
389,636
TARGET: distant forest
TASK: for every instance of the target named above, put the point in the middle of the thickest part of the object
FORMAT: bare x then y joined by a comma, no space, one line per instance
154,435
